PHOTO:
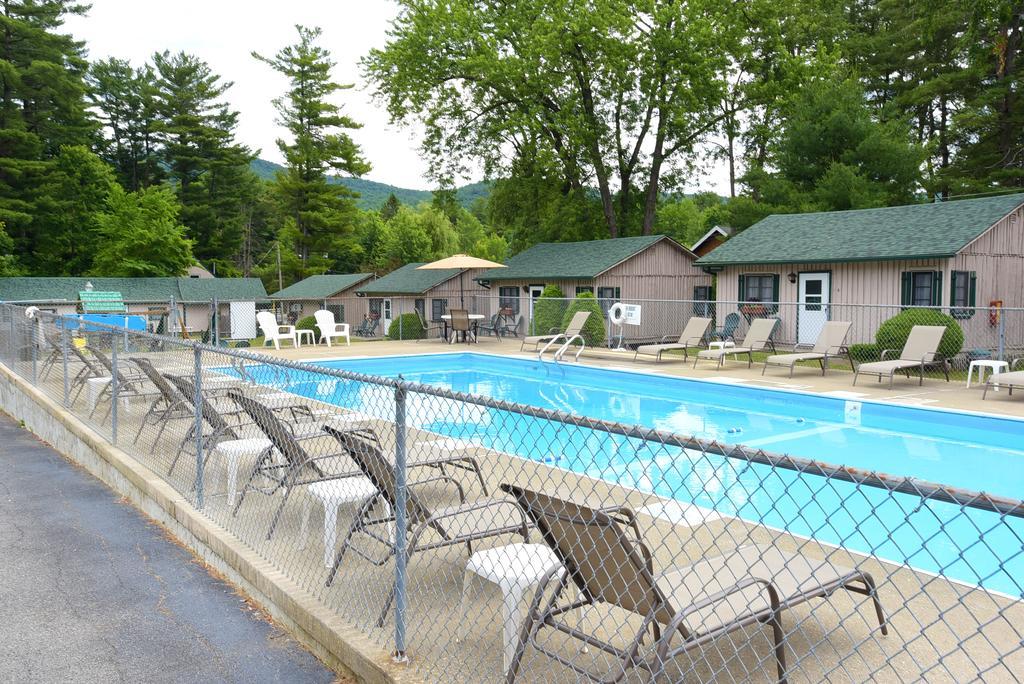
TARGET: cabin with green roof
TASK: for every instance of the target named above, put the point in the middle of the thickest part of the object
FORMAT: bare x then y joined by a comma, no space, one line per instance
334,292
809,268
431,292
192,297
637,270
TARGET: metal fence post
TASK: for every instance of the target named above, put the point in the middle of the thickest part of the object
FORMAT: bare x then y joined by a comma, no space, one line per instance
400,336
215,322
198,401
64,358
36,330
400,522
114,387
1002,335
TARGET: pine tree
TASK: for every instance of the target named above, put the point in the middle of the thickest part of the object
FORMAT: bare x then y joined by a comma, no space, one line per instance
323,214
208,168
125,99
42,108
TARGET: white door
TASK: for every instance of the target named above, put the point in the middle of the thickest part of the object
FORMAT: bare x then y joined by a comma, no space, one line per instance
535,292
243,320
385,316
812,306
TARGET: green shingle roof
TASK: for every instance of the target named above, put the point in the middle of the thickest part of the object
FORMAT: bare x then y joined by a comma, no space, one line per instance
408,280
321,286
918,231
569,260
43,289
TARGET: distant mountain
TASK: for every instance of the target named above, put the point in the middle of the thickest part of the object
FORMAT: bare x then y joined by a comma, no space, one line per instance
373,195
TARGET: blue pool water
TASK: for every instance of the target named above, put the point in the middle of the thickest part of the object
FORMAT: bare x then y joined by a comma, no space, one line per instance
968,451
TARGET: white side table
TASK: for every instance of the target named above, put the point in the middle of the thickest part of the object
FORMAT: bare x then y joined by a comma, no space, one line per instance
307,335
994,366
721,344
516,569
332,494
232,451
94,387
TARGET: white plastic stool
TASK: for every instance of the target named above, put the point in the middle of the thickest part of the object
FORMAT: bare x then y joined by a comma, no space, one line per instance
232,451
332,494
516,569
994,366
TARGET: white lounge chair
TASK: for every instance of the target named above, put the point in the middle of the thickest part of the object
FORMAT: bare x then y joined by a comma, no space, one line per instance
831,342
574,328
758,337
272,332
920,350
329,329
693,333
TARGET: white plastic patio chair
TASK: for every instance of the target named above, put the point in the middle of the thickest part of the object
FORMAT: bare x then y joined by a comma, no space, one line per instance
329,329
272,332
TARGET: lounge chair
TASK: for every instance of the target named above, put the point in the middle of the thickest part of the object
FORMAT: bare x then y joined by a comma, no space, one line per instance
693,334
758,338
728,329
329,328
428,529
89,369
831,342
603,555
128,383
168,405
272,332
1009,380
920,350
296,466
574,328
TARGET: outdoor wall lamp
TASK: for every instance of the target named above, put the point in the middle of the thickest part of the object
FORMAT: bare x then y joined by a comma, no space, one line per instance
792,277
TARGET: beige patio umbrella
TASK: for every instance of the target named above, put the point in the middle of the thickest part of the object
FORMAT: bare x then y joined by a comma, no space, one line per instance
461,262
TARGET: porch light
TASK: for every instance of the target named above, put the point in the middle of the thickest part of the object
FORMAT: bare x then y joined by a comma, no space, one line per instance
792,277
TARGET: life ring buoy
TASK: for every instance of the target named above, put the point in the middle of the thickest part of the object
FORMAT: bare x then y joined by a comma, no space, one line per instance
617,313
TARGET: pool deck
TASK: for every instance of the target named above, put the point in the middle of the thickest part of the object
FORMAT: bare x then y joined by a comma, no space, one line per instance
934,393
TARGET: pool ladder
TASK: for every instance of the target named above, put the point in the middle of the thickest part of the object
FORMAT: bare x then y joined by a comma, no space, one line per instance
560,352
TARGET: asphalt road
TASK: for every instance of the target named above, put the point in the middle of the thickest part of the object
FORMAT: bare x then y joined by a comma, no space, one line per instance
91,590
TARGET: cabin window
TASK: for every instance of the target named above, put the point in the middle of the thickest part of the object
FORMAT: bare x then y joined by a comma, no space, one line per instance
962,294
508,298
375,306
338,310
438,308
607,296
420,305
580,289
921,288
702,305
759,288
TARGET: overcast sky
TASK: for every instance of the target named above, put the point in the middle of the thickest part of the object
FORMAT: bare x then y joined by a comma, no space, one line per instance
224,32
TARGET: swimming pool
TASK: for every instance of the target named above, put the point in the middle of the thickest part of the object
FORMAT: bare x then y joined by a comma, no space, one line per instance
964,450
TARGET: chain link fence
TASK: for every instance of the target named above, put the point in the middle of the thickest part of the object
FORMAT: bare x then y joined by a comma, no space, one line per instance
481,540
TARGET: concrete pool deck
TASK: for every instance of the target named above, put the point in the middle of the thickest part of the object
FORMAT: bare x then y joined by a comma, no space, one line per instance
934,393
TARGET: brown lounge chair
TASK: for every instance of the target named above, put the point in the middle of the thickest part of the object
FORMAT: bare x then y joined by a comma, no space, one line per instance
920,350
574,328
831,343
428,529
604,557
693,334
758,337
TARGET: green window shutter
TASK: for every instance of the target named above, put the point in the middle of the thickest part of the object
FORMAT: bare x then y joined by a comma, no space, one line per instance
953,276
972,291
742,296
905,288
775,288
937,288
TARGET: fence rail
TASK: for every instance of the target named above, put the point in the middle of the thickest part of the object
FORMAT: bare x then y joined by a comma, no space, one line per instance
485,540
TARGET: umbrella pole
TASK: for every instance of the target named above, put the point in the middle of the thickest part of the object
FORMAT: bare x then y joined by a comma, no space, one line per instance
462,293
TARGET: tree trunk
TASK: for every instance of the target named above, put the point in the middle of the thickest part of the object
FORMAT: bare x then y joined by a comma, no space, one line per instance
651,202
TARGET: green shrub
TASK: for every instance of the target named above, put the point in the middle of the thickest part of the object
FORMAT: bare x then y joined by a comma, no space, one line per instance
307,323
593,329
547,312
864,353
406,327
893,333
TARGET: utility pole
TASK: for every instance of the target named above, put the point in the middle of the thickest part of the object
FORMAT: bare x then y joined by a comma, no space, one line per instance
280,280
